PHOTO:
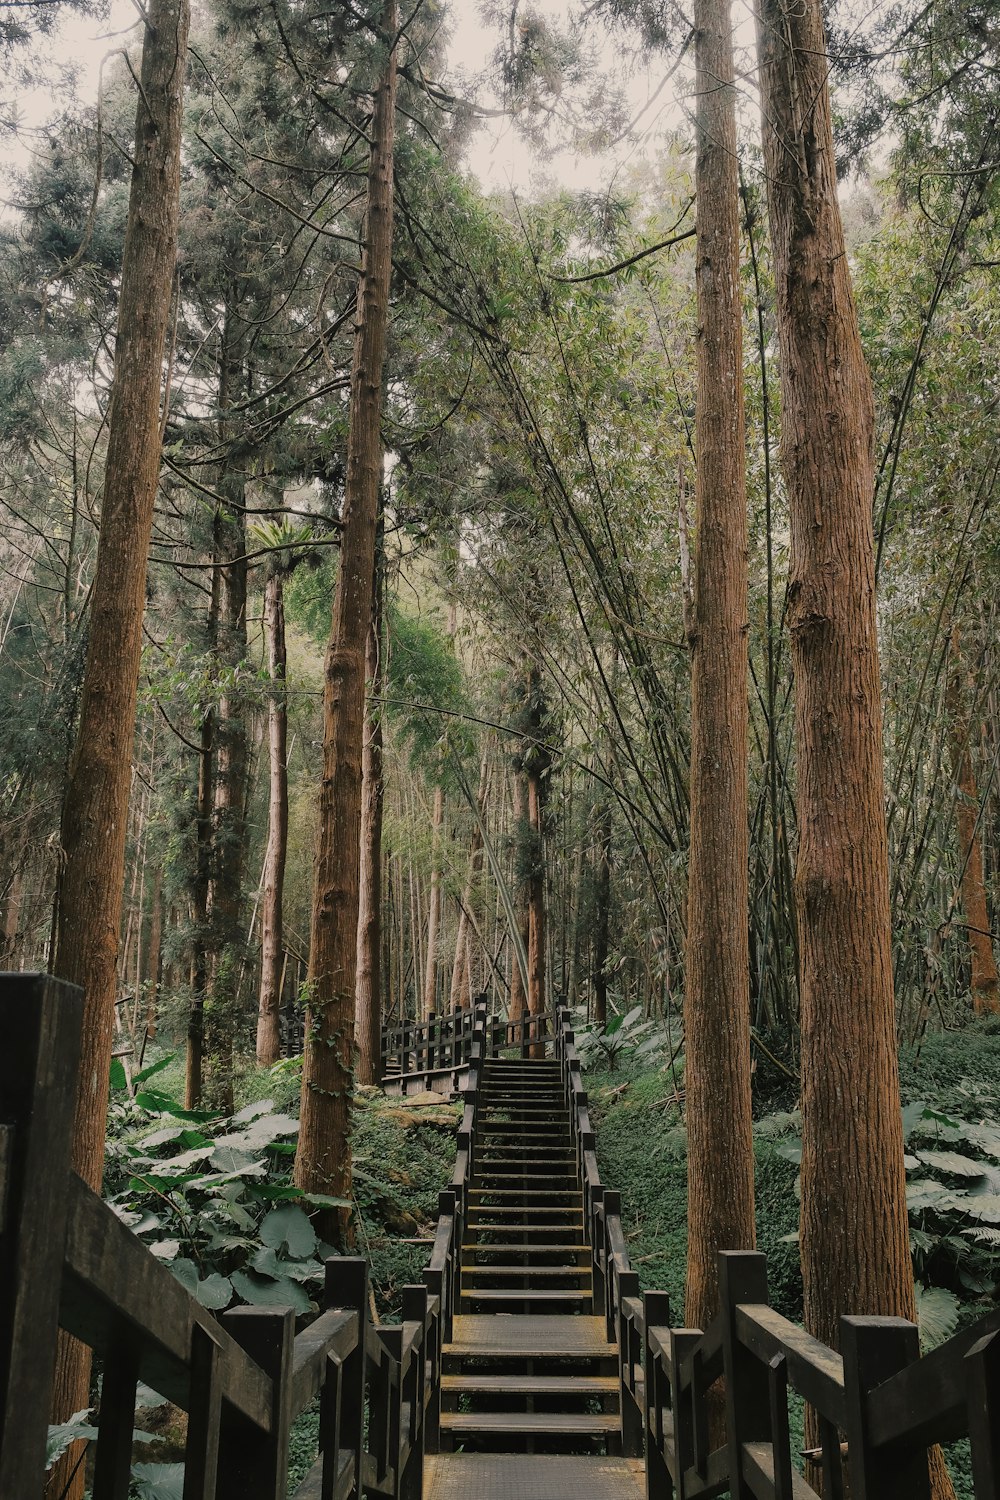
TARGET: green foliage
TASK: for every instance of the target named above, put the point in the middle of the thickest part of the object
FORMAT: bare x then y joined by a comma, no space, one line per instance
628,1035
211,1196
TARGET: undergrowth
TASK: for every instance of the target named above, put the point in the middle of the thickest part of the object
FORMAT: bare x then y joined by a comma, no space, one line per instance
950,1088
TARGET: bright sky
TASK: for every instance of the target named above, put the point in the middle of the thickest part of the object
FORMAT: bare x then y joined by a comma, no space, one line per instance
499,157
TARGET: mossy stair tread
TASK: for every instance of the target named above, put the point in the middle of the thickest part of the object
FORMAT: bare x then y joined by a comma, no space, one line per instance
531,1385
576,1422
527,1336
532,1476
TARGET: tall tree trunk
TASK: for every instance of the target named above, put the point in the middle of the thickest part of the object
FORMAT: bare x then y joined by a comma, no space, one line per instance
368,1003
323,1159
200,885
95,811
854,1233
717,983
232,747
461,974
154,960
602,917
984,984
434,910
538,761
518,993
271,916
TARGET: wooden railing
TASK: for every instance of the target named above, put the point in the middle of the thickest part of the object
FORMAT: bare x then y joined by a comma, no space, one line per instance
879,1405
66,1261
436,1053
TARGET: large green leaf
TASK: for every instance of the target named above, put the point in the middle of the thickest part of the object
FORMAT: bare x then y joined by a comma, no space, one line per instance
266,1291
214,1292
156,1067
61,1436
253,1111
937,1315
289,1225
925,1193
158,1481
953,1163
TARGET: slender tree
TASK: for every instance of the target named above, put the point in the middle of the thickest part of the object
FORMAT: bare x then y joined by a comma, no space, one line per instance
95,808
717,987
323,1158
854,1234
983,982
434,906
271,911
368,1005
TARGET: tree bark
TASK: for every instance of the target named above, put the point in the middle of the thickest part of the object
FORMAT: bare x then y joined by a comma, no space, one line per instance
537,767
95,810
434,909
323,1159
854,1232
461,973
602,917
518,993
271,916
368,1001
717,984
232,749
984,984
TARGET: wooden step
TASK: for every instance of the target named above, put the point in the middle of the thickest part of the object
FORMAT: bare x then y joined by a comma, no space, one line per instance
521,1295
533,1249
516,1136
529,1336
531,1385
533,1476
526,1215
577,1424
522,1272
524,1193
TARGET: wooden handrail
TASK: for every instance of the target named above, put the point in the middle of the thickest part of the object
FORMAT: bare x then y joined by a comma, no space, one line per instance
66,1260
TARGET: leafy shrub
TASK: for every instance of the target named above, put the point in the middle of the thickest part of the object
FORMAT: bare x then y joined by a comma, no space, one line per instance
212,1197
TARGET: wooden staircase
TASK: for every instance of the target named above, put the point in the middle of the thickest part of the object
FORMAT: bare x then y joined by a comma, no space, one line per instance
529,1367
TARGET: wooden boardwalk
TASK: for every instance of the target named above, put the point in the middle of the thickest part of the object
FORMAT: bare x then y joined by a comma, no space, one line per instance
530,1385
527,1365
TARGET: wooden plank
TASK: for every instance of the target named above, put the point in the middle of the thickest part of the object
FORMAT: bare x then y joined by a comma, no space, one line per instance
311,1487
574,1424
333,1332
39,1061
531,1385
532,1476
815,1371
109,1274
925,1402
759,1472
253,1464
874,1349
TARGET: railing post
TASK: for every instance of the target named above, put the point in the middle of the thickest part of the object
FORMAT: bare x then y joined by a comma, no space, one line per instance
411,1480
201,1453
682,1400
983,1365
40,1024
873,1350
437,1284
347,1287
629,1355
253,1465
113,1460
611,1209
742,1279
656,1388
